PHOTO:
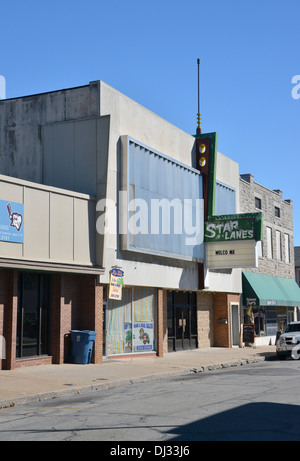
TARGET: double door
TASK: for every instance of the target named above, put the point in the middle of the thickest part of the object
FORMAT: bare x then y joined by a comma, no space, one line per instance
182,323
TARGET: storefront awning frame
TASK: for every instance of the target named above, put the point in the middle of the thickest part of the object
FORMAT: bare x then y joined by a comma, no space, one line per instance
267,290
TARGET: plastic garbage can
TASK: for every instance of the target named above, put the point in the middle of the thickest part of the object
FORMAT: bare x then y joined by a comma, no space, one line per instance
82,345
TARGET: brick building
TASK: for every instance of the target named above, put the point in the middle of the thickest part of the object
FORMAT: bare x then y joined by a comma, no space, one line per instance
270,289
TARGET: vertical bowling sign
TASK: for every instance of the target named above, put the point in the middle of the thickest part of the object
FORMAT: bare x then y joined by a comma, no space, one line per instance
206,153
206,162
116,284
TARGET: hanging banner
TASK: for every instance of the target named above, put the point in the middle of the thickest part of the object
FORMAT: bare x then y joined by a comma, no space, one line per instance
116,284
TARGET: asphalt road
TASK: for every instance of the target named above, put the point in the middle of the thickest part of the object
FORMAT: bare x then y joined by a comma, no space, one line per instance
257,402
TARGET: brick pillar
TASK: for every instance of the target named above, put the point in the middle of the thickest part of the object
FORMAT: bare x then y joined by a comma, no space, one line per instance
2,309
91,312
56,344
77,304
160,323
10,319
97,309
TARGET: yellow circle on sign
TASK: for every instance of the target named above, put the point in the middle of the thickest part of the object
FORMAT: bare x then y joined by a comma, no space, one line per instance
202,148
202,161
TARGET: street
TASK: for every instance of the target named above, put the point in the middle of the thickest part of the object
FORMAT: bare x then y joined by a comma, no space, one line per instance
257,402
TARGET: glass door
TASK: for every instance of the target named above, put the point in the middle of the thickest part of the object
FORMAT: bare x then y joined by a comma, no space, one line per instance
182,321
32,320
182,328
235,325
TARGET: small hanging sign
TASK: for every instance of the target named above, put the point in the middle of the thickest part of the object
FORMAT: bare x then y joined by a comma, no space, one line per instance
116,284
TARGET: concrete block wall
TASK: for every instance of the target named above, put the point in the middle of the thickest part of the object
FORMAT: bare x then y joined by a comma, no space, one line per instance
205,320
22,120
270,199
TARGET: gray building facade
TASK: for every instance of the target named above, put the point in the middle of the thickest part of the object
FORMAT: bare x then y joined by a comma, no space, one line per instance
65,157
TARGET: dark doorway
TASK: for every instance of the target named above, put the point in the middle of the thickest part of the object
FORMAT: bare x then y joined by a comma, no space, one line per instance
104,334
182,321
33,310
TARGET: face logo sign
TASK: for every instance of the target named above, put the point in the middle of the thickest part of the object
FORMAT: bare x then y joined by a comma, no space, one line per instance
16,219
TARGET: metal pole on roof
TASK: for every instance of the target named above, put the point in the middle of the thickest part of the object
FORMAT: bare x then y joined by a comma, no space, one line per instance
199,131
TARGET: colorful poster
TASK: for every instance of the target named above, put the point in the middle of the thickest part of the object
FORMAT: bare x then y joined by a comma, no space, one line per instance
11,221
143,336
127,337
116,284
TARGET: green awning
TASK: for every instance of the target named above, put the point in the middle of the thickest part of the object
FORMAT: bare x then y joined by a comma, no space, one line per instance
266,290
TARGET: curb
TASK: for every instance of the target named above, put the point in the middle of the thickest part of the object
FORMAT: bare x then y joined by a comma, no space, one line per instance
229,364
76,390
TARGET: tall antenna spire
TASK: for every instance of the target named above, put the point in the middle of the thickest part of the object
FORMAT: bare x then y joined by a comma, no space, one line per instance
199,131
2,87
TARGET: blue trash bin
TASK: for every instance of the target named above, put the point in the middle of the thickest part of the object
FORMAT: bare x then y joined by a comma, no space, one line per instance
82,345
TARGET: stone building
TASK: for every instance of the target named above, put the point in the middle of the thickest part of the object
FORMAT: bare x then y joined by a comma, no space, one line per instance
269,290
297,264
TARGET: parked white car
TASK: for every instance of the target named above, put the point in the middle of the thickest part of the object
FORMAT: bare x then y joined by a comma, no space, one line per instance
288,344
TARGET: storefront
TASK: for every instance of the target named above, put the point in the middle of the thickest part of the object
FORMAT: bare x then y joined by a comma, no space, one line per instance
49,279
131,322
270,303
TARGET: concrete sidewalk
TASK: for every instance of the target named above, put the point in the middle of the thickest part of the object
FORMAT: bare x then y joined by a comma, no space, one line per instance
29,384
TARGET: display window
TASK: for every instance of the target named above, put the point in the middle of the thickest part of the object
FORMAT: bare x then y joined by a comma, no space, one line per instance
131,322
268,320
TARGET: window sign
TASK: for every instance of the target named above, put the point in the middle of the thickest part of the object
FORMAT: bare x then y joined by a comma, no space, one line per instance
11,221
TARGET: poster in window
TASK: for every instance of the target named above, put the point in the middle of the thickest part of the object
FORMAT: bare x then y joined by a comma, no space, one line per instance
127,337
143,336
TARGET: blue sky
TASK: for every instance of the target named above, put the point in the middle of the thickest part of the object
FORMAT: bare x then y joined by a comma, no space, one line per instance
249,53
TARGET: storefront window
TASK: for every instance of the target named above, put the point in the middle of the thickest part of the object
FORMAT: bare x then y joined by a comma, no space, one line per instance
131,322
259,321
268,320
291,315
271,322
281,318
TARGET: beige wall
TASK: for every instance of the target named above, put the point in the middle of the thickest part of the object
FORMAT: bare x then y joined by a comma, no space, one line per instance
205,320
127,117
228,173
59,226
